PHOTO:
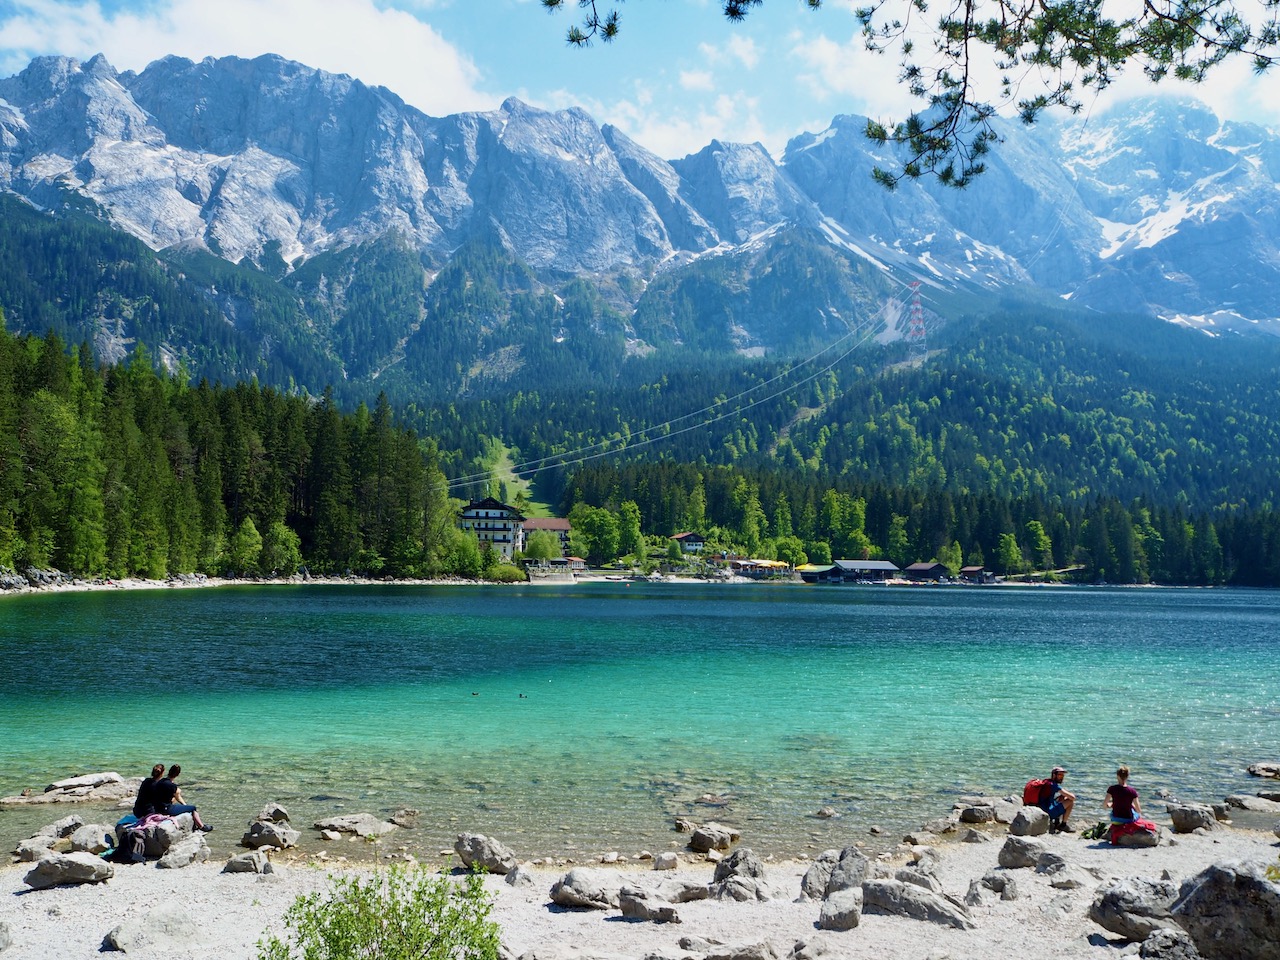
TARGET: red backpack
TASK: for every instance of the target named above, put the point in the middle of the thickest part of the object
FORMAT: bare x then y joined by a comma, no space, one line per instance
1034,791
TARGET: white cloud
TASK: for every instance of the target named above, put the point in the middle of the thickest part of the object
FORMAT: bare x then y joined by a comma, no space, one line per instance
377,45
743,49
697,80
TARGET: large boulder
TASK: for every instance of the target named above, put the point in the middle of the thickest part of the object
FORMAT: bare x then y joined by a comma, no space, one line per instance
1018,852
256,861
842,910
1232,912
900,899
91,788
740,863
992,884
713,836
1171,943
637,903
1135,907
94,838
477,850
1189,817
1139,838
1029,822
163,930
189,850
851,870
34,848
61,869
813,885
270,833
1253,804
361,824
1265,769
585,889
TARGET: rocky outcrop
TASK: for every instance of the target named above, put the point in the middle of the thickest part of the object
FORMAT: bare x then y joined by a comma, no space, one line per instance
842,910
585,889
361,824
105,787
166,929
1135,907
64,869
713,836
1019,852
908,900
256,861
264,833
477,850
1232,912
637,903
1029,822
1189,817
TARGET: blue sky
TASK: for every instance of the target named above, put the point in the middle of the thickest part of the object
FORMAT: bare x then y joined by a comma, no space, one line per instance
678,76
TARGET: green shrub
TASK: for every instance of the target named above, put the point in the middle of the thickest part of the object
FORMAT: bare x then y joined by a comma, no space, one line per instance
505,573
394,914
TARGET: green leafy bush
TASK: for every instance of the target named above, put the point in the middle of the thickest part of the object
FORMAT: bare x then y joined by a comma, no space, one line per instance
394,914
505,573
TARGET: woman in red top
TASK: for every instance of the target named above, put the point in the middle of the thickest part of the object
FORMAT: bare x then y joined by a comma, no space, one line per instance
1122,799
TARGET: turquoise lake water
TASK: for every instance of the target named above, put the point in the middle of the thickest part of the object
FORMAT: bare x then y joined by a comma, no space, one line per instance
571,720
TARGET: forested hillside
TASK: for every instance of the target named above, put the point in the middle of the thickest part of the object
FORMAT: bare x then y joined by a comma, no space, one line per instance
122,470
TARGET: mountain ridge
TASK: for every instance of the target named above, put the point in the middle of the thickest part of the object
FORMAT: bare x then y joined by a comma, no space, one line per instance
269,164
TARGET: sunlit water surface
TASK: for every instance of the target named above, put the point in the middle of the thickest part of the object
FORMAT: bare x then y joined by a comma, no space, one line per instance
574,720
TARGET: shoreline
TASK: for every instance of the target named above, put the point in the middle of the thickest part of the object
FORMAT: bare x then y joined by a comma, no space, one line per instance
228,913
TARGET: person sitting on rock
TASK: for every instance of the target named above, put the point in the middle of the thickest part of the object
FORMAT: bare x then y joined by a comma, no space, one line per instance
1122,799
1057,801
168,799
145,804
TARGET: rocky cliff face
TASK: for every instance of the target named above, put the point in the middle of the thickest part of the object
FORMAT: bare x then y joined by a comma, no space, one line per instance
1158,207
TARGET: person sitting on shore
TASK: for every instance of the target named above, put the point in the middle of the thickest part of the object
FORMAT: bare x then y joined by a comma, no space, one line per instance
145,803
1057,801
1122,799
168,799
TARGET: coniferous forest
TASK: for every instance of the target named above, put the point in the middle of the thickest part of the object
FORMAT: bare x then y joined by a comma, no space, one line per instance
121,470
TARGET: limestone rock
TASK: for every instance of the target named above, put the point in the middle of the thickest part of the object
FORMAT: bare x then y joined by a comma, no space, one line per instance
637,903
1018,852
583,888
475,849
189,850
270,833
713,836
1029,822
850,871
273,813
94,838
34,848
1134,907
1265,769
813,885
165,929
992,883
740,863
361,824
255,861
682,891
907,900
1187,817
1169,944
1231,910
842,910
520,877
666,861
59,869
1253,804
978,814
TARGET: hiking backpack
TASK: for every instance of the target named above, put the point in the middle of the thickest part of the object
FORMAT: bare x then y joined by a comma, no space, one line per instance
1034,791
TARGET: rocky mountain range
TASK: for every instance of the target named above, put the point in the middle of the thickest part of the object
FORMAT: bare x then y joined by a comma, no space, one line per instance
1157,207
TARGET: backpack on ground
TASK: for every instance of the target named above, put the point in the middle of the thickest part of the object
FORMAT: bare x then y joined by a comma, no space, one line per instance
1035,791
